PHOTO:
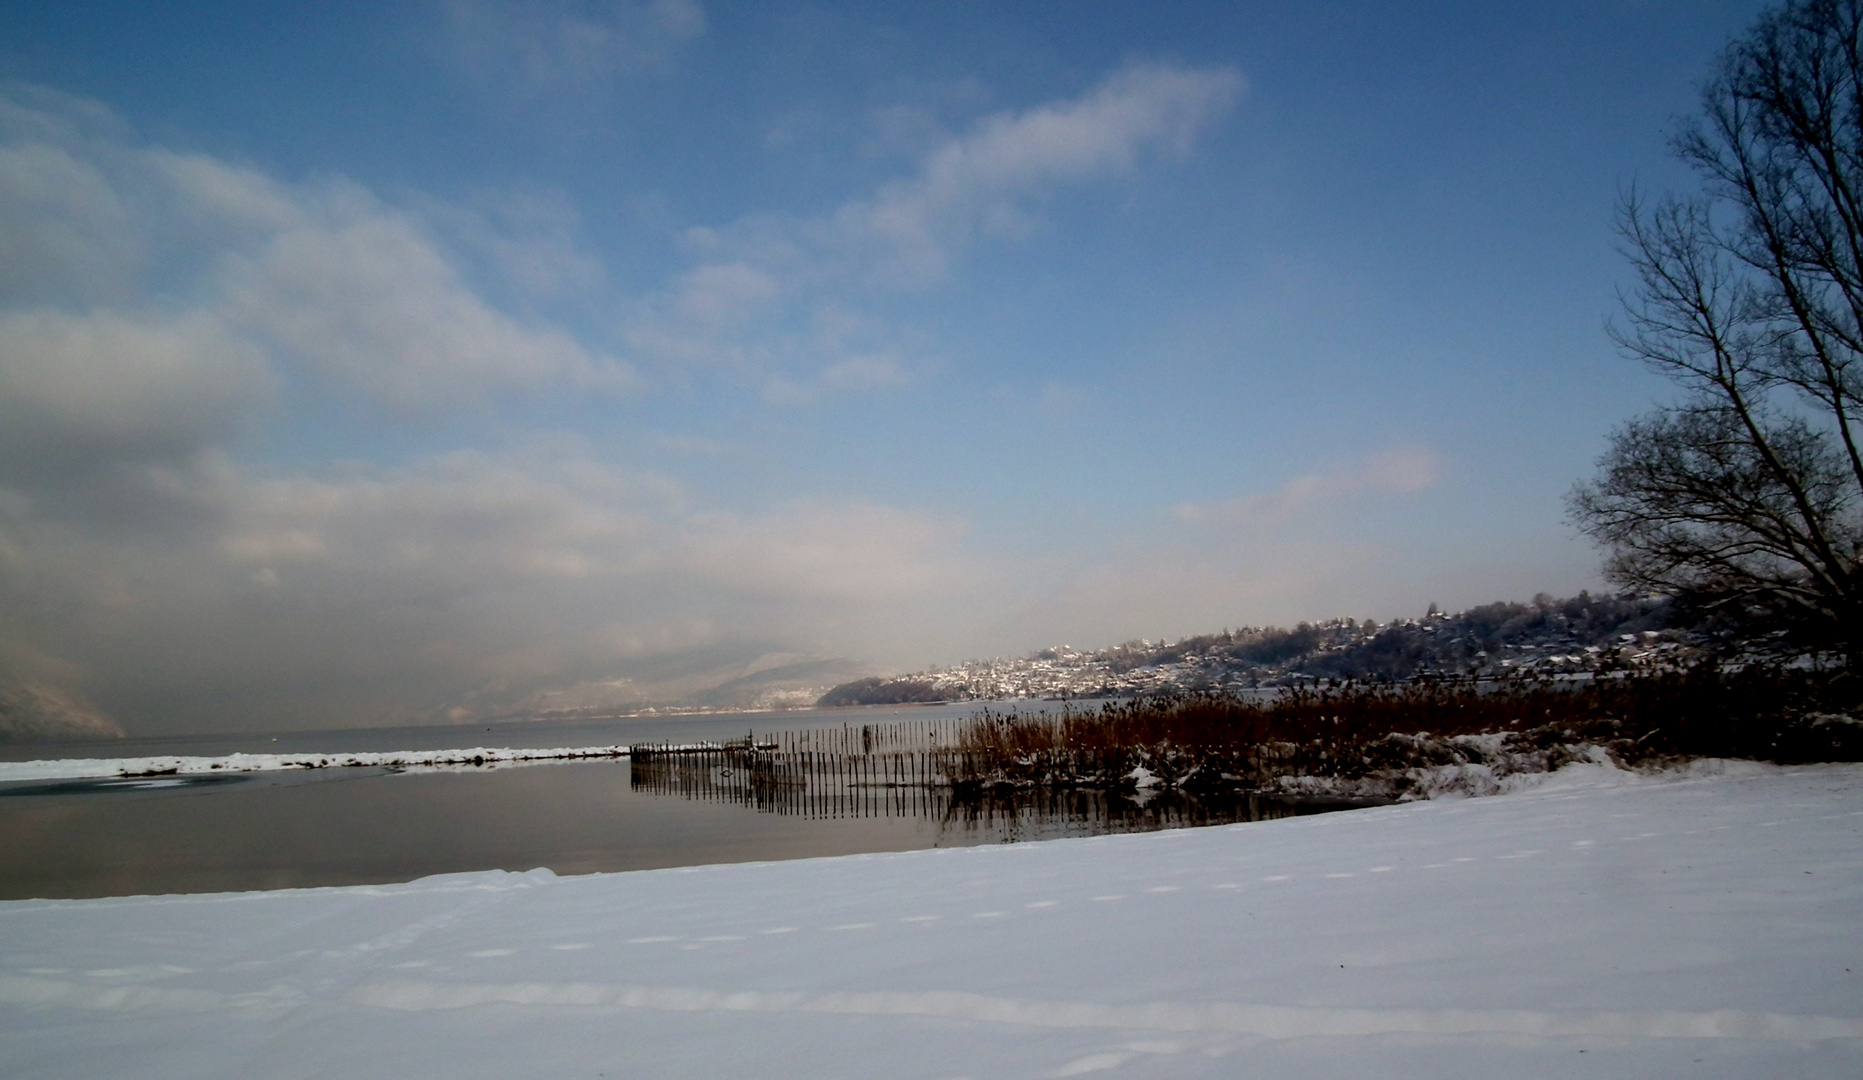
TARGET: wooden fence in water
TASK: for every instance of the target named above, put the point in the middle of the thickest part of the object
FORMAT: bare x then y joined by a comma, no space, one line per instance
908,769
899,769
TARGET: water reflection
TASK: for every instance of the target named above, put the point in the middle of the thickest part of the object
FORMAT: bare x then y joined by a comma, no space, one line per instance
368,826
107,787
917,787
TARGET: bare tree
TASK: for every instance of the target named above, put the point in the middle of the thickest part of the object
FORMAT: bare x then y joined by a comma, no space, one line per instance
1747,494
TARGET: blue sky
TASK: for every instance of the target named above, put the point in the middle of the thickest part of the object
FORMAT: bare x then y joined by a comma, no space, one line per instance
365,365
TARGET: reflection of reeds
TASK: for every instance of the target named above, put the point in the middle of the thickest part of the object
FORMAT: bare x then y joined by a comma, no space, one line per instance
928,783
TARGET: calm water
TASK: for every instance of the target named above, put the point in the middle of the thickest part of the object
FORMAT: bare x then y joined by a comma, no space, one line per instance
361,826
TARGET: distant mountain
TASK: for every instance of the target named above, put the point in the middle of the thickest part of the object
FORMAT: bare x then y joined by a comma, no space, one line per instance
703,683
1581,633
792,686
32,710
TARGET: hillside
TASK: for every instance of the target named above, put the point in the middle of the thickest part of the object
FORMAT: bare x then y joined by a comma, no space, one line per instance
1547,635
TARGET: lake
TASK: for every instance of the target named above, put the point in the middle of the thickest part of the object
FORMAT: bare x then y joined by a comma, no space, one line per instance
87,838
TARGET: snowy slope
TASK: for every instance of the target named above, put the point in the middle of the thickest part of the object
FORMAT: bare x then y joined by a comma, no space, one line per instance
1599,925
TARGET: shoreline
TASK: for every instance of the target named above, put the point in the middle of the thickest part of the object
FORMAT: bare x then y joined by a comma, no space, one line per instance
1594,911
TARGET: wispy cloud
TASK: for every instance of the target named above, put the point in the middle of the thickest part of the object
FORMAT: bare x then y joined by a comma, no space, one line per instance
568,45
980,183
1400,471
855,374
759,286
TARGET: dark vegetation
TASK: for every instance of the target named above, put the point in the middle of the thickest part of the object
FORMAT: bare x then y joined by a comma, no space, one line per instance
1474,642
1744,498
1384,738
1338,739
880,691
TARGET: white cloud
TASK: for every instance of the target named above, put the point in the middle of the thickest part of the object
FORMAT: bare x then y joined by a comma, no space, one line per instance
224,203
373,303
323,275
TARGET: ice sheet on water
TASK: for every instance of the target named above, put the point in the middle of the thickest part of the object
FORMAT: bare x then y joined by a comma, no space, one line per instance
180,765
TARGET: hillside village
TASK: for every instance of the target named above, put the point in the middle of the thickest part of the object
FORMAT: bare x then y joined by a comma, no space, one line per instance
1545,637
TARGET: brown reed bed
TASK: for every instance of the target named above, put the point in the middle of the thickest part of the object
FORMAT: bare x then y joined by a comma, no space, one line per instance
1380,740
1210,741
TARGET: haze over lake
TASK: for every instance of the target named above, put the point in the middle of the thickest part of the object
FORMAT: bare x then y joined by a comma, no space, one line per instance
469,360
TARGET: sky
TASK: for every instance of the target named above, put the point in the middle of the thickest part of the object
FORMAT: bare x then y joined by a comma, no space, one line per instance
375,364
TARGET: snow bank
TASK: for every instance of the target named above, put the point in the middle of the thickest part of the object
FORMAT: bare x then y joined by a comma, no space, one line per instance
1409,767
1706,922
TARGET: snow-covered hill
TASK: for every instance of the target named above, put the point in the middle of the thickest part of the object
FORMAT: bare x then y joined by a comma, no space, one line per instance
1583,633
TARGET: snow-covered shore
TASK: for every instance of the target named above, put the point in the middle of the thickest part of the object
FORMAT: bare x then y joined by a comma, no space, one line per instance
182,765
1598,924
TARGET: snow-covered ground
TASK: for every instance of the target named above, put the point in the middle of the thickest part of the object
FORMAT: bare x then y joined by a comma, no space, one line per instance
1599,924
